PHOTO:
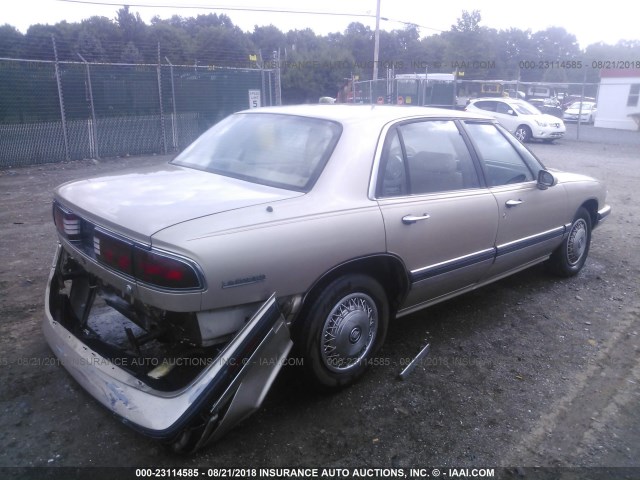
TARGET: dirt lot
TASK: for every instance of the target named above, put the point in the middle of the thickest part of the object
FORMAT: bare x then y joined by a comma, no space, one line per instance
532,370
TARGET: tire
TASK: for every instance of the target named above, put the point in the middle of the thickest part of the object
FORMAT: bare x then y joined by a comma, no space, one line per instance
523,133
569,258
344,327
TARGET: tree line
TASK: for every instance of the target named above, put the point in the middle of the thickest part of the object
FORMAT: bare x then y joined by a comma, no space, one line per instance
314,65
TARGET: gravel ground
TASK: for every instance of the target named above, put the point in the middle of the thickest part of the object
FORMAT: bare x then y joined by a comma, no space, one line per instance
591,134
529,371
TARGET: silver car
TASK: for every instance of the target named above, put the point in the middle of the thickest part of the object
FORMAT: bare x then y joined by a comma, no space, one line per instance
586,112
177,291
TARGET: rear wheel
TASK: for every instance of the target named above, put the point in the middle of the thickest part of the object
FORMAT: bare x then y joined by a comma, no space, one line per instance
345,326
569,258
523,133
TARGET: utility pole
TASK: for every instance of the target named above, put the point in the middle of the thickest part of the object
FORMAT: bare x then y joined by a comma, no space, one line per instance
278,86
376,48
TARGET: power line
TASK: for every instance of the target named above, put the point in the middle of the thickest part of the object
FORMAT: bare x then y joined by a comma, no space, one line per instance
247,9
201,7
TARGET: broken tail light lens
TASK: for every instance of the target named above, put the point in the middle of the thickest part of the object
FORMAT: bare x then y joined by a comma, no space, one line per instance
154,268
67,223
164,271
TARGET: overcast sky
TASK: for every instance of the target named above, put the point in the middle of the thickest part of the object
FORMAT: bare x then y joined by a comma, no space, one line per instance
607,21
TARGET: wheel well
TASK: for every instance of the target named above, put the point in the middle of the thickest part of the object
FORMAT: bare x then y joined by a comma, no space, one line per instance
592,207
387,270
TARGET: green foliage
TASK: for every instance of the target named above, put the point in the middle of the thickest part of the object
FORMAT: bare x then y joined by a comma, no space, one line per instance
38,44
90,47
131,26
513,47
469,22
131,54
308,75
10,41
470,48
174,42
358,39
107,35
625,50
268,39
213,39
222,46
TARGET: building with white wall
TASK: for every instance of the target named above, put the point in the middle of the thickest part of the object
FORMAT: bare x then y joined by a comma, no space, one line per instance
619,99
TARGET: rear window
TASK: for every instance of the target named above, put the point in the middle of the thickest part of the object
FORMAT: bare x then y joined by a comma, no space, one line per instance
283,151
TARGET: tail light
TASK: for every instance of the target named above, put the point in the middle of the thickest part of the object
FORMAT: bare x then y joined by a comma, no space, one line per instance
164,271
113,252
67,223
148,266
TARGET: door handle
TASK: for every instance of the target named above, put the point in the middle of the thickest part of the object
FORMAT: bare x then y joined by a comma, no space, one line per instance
409,219
513,203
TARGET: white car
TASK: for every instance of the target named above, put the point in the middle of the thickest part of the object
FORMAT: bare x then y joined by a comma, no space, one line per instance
521,118
587,113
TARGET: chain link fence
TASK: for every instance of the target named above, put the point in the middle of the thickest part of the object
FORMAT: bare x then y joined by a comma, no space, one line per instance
407,89
616,97
56,111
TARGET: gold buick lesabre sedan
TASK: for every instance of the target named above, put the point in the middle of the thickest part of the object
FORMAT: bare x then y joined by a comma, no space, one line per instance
177,291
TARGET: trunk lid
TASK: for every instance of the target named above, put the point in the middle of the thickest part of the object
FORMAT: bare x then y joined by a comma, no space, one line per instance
142,202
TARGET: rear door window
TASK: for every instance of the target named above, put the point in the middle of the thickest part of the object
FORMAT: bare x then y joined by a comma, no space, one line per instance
426,157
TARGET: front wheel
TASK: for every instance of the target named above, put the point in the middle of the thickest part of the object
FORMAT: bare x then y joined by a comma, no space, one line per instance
345,326
569,258
523,133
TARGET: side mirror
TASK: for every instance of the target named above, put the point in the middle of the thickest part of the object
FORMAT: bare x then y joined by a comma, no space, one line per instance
511,112
546,179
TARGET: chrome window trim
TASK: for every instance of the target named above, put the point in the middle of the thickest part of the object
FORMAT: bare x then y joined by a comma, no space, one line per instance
375,169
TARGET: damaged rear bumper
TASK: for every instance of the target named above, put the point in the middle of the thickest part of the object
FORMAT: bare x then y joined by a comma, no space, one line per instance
229,388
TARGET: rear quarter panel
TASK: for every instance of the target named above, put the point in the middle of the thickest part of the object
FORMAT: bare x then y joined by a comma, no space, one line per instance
285,246
282,251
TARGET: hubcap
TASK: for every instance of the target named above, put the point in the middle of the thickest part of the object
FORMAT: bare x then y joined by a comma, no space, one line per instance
355,335
349,332
577,242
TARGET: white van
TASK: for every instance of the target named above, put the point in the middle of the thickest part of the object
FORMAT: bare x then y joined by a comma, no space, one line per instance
540,91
